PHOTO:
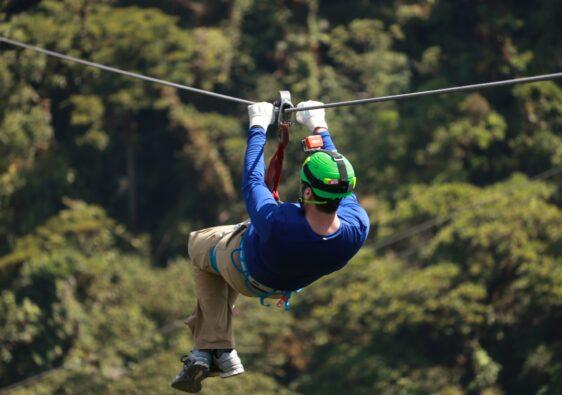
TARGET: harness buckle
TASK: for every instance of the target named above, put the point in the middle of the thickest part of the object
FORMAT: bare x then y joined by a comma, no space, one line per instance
284,300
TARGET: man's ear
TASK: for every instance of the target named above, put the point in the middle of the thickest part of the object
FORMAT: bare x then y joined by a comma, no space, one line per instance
308,193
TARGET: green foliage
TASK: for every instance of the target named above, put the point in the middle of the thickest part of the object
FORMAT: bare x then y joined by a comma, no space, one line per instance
102,177
476,306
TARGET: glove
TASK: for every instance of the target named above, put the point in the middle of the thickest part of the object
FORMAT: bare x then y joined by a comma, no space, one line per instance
312,119
261,114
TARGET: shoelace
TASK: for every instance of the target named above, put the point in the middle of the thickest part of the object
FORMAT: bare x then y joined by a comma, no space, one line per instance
195,356
229,360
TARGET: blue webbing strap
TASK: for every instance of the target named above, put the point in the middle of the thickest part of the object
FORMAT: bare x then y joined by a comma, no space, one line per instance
240,257
242,270
213,258
245,274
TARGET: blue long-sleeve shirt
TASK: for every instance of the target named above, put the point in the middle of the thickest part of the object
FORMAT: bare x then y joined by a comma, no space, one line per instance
281,249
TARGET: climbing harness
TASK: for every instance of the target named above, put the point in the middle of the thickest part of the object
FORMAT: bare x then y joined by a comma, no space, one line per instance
275,167
252,285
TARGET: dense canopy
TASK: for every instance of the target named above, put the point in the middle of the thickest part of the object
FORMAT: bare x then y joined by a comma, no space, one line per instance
102,177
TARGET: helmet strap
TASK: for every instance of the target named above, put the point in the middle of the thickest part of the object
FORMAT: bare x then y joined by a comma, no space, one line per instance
302,200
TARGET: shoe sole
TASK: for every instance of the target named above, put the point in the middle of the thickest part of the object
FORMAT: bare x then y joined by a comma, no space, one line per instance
232,373
214,372
195,375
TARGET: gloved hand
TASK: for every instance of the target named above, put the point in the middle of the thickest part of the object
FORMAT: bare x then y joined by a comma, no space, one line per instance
261,114
312,119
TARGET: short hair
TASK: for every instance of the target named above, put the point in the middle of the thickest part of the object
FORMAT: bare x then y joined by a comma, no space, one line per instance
328,206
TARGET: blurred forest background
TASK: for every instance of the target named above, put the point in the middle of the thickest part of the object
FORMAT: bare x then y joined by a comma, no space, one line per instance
102,177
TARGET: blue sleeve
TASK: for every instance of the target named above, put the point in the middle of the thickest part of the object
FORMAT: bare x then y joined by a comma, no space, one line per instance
351,211
327,139
260,204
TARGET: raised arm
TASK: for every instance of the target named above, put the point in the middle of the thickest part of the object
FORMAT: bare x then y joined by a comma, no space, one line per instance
258,199
326,138
315,122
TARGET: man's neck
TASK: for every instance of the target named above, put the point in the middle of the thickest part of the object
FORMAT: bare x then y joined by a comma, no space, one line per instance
321,223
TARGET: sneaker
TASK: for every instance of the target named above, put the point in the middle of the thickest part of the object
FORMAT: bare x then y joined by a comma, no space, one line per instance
196,367
228,363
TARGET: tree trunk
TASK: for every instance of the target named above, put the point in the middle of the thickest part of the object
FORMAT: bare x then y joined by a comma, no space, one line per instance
132,180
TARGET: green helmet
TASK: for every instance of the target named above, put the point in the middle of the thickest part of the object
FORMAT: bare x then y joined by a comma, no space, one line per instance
329,174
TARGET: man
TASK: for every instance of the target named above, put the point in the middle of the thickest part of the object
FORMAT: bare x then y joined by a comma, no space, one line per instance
284,247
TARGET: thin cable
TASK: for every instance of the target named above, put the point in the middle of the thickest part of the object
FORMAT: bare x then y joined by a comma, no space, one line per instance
524,80
410,251
123,72
422,227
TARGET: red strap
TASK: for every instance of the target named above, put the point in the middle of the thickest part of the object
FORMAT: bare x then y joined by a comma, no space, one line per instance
275,168
282,301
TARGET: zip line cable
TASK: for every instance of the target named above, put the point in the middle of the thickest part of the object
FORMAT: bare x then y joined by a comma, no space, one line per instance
410,251
424,226
463,88
123,72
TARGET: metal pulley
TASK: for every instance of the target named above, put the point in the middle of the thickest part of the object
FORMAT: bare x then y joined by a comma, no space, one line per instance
280,105
275,168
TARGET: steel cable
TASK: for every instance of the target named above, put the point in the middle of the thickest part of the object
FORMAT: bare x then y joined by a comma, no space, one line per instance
123,72
514,81
424,226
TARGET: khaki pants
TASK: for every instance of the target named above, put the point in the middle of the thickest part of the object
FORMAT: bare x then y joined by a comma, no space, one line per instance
211,322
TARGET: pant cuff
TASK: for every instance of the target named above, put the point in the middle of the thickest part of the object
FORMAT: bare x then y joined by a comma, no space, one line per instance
203,345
